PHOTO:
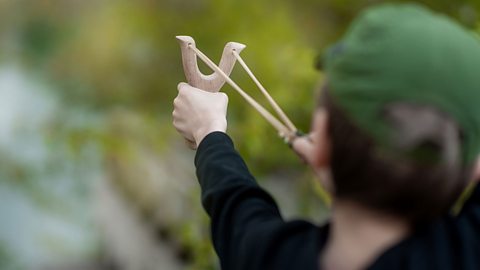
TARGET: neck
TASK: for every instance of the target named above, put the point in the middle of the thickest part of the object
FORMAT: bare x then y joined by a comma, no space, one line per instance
358,235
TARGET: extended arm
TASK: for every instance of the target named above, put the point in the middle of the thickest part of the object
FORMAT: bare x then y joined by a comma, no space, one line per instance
247,229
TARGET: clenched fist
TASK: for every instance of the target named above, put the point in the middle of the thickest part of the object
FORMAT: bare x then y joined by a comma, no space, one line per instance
197,113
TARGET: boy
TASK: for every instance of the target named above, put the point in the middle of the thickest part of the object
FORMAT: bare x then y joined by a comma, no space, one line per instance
395,141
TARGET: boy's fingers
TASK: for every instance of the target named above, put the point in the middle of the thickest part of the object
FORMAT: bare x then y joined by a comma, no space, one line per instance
303,147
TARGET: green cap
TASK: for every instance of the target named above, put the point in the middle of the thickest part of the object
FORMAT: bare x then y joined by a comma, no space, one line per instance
407,53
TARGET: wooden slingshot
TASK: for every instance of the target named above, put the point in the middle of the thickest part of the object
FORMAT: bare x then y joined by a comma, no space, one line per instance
220,75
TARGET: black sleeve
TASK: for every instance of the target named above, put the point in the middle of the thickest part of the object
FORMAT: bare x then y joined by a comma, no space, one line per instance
248,231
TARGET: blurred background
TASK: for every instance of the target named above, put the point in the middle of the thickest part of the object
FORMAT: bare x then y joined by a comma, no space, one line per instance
92,173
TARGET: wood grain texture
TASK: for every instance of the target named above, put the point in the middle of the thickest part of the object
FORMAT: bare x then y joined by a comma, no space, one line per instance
195,77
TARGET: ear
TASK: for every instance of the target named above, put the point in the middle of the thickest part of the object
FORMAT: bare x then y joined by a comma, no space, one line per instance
321,159
476,171
322,150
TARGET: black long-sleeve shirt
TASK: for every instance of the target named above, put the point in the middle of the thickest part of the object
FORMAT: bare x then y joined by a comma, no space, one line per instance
248,231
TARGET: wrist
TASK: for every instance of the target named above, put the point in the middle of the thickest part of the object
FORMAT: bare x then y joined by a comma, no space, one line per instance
203,132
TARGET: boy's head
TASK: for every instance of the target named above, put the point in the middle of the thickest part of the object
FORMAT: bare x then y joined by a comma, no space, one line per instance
403,103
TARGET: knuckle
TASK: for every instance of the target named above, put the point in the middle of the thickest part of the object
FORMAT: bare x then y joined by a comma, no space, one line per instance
176,101
224,96
180,93
181,86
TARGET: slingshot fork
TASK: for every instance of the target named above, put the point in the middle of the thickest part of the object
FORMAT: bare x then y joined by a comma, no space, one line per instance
215,81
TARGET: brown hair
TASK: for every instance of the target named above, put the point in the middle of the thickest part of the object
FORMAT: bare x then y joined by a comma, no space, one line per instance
418,178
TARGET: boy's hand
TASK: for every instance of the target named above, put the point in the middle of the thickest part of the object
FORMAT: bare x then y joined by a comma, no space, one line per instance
196,113
304,147
314,148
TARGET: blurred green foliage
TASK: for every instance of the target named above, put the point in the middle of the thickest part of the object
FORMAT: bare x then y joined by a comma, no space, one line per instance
110,54
119,61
